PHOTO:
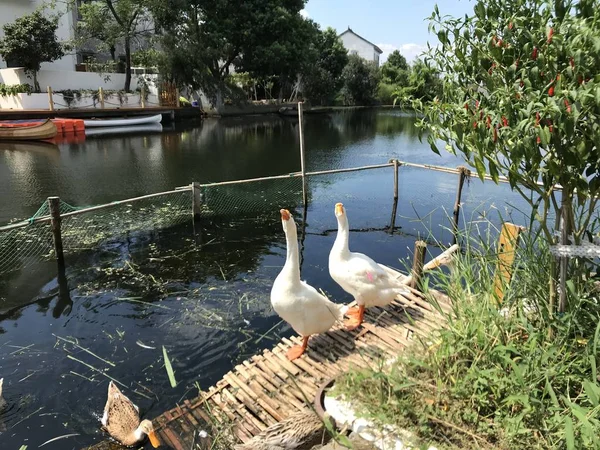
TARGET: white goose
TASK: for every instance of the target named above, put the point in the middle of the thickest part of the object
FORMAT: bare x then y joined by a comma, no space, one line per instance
370,284
299,304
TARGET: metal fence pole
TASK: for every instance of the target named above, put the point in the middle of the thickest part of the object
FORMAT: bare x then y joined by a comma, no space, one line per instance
101,97
302,156
54,205
463,173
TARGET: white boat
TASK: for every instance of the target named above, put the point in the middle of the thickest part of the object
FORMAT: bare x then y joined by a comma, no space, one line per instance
110,131
125,122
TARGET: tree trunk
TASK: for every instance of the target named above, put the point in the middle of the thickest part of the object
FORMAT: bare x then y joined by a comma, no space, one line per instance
127,63
36,84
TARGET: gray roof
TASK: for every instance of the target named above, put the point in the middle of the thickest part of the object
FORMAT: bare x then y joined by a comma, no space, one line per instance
349,30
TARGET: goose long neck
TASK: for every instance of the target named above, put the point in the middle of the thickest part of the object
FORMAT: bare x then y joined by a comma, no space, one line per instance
292,265
343,234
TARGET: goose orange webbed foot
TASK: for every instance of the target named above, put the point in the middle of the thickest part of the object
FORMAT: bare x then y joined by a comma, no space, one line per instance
353,312
352,324
295,352
356,318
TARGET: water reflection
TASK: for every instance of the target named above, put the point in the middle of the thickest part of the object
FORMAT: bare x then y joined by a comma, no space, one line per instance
112,167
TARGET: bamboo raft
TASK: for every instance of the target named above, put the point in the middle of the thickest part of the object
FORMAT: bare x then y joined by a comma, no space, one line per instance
267,388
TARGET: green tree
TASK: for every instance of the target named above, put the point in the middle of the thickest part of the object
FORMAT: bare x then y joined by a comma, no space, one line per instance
424,82
322,78
521,98
360,79
262,37
117,21
31,40
395,70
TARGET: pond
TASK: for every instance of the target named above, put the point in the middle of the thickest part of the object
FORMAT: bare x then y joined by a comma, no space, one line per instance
200,290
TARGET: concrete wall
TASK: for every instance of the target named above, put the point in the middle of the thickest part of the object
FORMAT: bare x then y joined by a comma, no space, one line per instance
63,80
356,45
13,9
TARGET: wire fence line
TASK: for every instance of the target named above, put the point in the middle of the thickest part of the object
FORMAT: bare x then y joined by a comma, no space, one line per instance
32,240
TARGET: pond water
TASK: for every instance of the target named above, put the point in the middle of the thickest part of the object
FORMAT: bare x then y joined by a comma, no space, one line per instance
199,290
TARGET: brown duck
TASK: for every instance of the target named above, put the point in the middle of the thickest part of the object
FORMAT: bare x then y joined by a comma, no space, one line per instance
121,420
300,431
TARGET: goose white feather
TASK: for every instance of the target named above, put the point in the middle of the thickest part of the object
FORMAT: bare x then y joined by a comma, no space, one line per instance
295,301
370,283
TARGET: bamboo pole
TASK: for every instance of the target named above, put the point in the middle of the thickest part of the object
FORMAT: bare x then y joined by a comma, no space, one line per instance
54,205
418,264
50,99
302,154
444,258
463,173
196,199
143,97
395,203
101,97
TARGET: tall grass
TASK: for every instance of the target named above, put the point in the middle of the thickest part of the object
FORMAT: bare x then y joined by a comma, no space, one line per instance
497,376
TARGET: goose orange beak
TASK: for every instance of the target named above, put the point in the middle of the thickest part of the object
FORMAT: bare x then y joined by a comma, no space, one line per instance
285,214
339,209
153,439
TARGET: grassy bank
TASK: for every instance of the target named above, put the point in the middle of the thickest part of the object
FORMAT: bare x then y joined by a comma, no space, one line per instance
496,377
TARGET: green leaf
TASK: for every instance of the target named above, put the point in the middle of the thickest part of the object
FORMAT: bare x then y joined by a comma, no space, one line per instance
552,393
480,167
494,171
592,391
169,368
569,433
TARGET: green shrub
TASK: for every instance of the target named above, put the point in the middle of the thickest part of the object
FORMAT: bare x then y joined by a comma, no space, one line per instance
496,378
385,93
14,89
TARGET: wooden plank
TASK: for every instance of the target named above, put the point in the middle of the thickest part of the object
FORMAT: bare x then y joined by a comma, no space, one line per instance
507,244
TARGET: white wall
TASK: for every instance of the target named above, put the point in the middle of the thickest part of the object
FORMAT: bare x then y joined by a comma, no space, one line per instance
41,102
63,80
354,44
13,9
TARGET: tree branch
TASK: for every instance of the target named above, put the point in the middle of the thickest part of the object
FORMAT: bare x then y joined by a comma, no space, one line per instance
110,5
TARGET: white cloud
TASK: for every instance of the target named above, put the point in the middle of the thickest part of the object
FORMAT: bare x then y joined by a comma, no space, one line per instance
410,51
304,13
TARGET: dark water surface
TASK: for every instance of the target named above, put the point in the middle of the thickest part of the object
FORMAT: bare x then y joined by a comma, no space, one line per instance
201,291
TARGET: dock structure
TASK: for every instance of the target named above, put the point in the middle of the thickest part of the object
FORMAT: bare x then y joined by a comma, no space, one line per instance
168,113
267,388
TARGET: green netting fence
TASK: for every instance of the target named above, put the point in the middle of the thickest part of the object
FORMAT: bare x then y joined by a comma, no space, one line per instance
85,228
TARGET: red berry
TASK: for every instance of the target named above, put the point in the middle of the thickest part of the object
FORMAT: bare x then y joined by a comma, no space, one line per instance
504,121
510,25
539,140
537,119
551,91
488,122
550,34
475,125
551,128
534,54
568,106
495,134
572,62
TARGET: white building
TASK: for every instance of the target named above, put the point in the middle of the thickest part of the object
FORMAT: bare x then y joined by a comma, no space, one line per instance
10,10
358,45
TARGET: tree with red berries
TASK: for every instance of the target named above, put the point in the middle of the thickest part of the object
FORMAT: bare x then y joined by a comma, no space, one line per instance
521,98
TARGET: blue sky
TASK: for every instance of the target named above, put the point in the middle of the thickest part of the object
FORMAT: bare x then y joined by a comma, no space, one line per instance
390,24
